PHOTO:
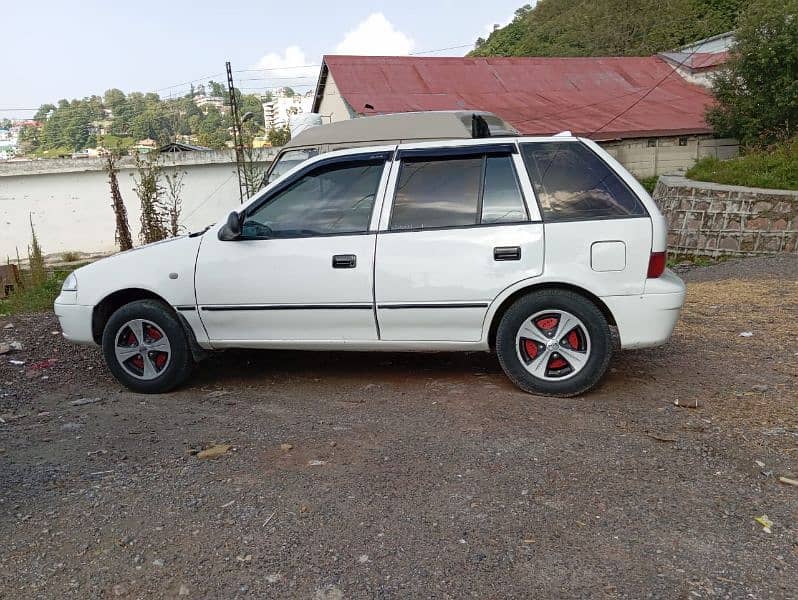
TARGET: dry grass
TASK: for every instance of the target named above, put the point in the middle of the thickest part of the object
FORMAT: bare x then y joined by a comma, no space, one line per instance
715,314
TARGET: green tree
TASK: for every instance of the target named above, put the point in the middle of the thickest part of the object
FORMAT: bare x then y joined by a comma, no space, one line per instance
289,92
217,89
757,93
43,112
279,136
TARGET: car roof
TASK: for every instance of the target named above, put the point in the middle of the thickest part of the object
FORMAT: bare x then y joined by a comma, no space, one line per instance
401,127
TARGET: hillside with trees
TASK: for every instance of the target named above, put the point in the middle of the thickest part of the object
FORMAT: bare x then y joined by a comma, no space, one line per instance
609,27
117,120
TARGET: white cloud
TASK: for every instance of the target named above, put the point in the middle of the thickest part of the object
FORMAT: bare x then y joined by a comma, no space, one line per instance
375,36
289,64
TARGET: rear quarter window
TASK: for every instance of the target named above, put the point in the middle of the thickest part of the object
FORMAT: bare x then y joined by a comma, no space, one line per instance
572,183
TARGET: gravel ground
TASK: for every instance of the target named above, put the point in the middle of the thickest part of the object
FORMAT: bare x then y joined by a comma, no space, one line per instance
358,475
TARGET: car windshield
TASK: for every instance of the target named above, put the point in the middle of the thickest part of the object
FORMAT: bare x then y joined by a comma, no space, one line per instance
288,160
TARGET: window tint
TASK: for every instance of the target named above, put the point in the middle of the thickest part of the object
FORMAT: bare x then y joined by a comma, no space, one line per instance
449,192
437,193
333,199
571,182
501,199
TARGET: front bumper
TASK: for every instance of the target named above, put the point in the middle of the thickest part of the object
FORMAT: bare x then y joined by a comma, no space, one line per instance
75,320
648,320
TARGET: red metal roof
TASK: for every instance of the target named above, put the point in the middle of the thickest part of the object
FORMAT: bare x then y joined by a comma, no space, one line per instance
537,95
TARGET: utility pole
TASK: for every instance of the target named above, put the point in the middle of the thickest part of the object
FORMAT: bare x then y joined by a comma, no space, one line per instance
238,141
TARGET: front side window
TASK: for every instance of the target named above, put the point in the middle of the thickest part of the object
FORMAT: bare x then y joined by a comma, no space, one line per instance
573,183
332,199
456,191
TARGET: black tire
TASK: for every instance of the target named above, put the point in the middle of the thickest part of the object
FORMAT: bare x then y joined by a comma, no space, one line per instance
600,342
180,361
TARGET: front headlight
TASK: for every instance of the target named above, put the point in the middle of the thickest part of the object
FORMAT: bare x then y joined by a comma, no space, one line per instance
70,283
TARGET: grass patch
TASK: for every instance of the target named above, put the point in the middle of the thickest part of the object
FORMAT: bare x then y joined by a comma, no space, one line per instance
775,167
34,298
649,183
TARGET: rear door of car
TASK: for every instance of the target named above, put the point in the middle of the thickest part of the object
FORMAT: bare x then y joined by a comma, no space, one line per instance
598,232
458,226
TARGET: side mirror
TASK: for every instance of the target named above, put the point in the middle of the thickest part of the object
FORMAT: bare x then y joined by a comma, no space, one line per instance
232,229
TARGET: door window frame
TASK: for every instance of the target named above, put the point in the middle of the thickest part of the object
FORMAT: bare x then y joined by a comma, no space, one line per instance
322,161
461,149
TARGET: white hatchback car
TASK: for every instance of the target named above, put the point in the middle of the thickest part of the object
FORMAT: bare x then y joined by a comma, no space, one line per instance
531,246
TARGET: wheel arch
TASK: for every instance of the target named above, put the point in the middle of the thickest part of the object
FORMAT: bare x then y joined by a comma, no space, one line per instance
531,288
114,301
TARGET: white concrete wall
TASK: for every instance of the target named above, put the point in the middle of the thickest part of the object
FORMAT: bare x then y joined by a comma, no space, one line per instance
72,208
667,156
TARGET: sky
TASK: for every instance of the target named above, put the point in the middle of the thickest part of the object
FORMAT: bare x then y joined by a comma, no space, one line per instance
55,49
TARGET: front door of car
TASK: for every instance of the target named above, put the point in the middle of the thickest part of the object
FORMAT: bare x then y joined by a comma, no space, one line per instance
461,228
302,268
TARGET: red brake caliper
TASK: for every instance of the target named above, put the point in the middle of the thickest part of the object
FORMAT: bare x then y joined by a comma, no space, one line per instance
531,348
547,323
573,340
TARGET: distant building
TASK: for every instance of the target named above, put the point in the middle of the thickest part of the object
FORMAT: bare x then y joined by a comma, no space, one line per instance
203,102
697,62
278,111
145,145
651,121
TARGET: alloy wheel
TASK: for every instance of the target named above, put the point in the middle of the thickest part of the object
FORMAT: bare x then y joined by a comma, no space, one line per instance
553,345
142,349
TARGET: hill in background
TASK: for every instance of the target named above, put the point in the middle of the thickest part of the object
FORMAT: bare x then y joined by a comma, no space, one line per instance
609,27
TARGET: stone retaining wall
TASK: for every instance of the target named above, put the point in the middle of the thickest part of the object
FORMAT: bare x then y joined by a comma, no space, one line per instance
712,219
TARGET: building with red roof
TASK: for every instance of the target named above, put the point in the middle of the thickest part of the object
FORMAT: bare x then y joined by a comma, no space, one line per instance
648,115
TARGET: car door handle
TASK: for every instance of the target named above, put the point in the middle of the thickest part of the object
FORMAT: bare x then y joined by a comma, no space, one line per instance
344,261
507,253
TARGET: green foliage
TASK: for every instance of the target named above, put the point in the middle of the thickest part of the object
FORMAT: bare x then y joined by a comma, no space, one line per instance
117,121
30,297
774,167
279,136
217,89
116,143
609,27
757,94
649,183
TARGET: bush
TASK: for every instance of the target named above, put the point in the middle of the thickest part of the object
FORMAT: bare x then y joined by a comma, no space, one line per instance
70,256
774,167
649,183
32,297
756,91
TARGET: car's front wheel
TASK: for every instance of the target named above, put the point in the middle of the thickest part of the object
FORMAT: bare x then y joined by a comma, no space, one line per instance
554,343
146,347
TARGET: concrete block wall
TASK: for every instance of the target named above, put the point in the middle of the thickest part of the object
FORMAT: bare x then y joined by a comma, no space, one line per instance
710,219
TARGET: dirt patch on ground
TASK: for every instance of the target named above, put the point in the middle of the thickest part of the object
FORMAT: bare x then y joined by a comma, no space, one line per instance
414,475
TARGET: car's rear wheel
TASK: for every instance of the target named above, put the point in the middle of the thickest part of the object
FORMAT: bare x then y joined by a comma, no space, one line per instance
146,348
554,343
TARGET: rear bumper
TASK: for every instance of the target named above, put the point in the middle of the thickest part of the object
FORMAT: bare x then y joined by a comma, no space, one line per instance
648,320
75,320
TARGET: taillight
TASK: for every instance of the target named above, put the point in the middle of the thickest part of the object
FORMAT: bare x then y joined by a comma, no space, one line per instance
656,264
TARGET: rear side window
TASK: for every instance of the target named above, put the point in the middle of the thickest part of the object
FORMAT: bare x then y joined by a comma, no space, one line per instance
456,191
573,183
